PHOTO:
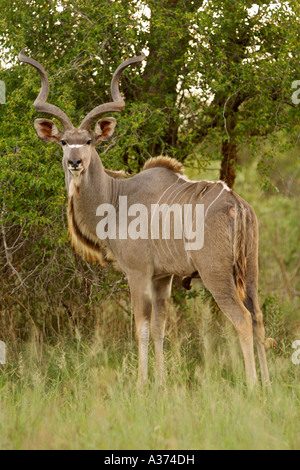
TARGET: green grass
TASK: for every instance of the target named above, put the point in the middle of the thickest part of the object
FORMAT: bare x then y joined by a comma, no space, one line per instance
81,394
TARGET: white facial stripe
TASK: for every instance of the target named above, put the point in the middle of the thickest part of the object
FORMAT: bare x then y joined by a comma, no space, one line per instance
75,146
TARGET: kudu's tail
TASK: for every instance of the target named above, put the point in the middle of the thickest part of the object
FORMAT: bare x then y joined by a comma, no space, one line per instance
239,250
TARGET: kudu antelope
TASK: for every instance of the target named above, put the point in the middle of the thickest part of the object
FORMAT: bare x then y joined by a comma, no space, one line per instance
227,263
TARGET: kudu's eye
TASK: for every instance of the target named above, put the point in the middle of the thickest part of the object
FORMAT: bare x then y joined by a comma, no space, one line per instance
63,142
89,142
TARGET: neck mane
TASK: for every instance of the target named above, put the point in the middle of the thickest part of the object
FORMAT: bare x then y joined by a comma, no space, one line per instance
82,204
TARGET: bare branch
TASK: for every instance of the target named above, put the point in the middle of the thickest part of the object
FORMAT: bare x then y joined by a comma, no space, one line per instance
7,249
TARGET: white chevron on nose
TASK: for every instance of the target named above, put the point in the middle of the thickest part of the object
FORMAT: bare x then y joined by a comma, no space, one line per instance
75,146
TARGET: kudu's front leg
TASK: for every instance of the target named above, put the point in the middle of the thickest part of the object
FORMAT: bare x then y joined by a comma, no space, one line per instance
141,299
161,302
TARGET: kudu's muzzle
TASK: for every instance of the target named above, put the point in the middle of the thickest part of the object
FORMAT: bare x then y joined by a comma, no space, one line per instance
74,164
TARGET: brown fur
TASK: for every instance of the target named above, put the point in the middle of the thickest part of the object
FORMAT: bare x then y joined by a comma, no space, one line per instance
164,162
239,254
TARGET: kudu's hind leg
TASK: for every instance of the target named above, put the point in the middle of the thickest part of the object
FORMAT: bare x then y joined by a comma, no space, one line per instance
161,301
259,333
252,305
141,300
224,293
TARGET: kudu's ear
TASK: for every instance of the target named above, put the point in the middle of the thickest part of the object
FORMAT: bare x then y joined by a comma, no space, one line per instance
104,129
47,130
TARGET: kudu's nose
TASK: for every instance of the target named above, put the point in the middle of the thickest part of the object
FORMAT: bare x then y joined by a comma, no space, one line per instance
74,163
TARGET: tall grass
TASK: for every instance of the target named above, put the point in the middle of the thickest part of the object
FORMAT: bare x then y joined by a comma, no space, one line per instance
75,393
